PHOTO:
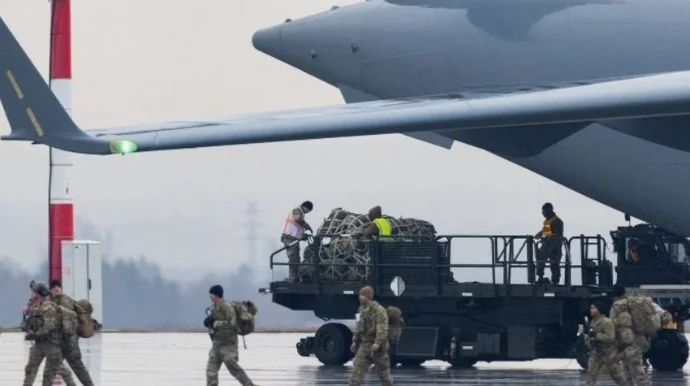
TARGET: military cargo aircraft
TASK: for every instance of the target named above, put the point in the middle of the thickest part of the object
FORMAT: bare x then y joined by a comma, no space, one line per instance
592,94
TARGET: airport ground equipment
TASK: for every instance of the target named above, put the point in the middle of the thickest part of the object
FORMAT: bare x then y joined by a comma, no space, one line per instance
500,320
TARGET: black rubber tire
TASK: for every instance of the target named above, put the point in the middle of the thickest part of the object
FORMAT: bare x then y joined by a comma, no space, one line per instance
331,346
463,362
347,337
581,352
409,363
668,351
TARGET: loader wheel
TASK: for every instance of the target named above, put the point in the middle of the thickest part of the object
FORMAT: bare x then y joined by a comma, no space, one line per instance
668,351
463,362
332,344
581,352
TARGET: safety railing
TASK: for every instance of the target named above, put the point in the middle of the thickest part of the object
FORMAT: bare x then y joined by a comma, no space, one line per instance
429,260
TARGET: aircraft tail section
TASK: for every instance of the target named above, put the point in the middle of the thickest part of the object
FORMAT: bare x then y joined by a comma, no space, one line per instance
33,111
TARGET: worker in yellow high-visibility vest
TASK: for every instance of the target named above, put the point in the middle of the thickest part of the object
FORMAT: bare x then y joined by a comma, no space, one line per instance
380,226
551,245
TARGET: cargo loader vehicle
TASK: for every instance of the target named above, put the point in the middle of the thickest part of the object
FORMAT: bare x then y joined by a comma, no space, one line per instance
501,319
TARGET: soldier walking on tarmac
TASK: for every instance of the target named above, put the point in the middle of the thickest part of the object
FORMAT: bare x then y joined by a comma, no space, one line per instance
629,314
70,344
551,243
601,339
224,348
293,231
43,327
370,343
31,373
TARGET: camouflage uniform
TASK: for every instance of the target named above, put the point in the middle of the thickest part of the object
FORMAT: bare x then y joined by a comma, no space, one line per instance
224,348
293,254
70,345
32,372
293,251
372,327
634,347
604,352
43,327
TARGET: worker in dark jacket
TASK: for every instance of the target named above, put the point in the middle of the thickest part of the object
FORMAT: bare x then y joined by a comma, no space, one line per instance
551,236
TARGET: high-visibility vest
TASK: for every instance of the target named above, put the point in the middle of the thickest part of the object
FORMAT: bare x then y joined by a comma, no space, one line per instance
291,227
384,226
546,229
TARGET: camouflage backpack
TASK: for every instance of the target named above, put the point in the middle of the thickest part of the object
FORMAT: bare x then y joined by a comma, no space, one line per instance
68,321
245,312
645,319
85,326
395,323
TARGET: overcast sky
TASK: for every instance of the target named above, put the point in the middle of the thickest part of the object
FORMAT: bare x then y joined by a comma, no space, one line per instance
154,60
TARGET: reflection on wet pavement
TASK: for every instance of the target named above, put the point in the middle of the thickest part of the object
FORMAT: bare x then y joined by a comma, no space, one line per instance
271,359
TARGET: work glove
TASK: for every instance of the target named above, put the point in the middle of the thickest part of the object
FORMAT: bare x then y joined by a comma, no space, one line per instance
208,322
591,333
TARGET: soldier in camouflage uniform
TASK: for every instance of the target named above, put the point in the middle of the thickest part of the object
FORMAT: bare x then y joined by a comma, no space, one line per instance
43,327
631,349
224,350
601,339
70,344
370,342
293,231
32,372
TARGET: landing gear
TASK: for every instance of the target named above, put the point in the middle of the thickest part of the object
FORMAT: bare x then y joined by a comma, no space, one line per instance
332,344
668,351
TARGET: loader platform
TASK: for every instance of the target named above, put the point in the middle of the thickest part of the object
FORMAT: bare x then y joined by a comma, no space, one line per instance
460,309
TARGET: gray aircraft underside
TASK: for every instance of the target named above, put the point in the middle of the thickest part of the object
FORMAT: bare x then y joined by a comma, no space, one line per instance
594,95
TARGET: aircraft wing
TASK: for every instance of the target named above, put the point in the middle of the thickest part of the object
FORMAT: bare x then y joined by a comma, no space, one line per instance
35,114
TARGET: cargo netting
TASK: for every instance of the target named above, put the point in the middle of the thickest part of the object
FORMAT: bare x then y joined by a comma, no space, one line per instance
346,259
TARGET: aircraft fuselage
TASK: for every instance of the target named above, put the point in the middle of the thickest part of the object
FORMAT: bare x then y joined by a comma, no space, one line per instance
406,48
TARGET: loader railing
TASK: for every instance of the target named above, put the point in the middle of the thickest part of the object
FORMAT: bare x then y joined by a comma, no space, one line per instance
434,259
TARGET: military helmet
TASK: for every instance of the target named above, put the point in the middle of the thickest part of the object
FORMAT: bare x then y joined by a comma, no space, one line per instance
40,288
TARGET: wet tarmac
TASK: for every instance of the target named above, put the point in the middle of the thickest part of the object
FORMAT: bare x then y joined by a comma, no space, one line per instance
270,359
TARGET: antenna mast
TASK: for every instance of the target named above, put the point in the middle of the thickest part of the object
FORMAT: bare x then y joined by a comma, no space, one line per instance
61,209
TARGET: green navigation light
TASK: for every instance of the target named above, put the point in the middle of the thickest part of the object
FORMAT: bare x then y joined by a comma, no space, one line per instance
122,146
